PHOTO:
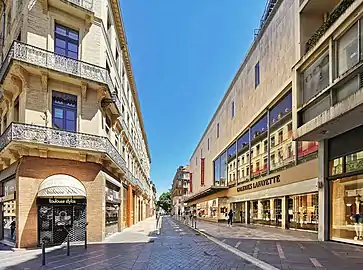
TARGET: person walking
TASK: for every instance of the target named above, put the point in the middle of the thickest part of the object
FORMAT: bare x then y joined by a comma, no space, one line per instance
230,218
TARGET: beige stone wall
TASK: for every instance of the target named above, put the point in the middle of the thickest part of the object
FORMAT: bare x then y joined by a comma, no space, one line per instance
275,52
32,171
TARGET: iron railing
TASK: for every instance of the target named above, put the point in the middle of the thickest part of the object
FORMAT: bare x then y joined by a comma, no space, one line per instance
60,138
86,4
332,18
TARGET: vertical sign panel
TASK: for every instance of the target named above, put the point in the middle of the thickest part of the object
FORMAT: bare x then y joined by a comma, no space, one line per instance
191,182
202,172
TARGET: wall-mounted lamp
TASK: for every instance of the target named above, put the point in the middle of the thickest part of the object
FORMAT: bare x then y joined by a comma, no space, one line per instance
320,184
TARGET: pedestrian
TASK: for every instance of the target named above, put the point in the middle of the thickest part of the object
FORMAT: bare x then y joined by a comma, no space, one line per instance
230,218
12,229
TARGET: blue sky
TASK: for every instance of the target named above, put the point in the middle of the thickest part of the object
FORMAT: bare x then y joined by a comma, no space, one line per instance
184,55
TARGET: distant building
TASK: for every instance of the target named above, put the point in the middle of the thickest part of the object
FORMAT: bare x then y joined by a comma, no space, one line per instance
180,190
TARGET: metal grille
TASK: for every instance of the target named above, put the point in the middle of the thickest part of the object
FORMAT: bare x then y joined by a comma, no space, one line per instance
56,221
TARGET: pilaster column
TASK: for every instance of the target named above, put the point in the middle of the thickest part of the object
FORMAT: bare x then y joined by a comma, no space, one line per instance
260,210
323,191
284,213
272,209
130,206
247,212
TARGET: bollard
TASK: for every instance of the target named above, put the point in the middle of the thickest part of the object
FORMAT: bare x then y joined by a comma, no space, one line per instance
68,251
85,239
195,223
43,253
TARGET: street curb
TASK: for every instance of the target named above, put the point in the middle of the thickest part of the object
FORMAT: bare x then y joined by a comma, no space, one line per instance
261,264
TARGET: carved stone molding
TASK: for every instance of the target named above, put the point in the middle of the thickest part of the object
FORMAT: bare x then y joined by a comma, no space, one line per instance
44,4
22,74
44,81
16,81
84,87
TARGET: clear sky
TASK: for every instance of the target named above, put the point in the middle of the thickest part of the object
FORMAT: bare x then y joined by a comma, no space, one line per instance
184,55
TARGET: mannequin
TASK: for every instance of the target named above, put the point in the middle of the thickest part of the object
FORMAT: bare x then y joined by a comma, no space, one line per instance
358,220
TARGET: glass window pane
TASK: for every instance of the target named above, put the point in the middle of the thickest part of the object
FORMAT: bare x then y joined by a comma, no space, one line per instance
71,115
348,50
73,47
336,166
347,208
354,162
73,34
58,123
60,43
60,30
72,55
60,51
315,78
58,113
70,125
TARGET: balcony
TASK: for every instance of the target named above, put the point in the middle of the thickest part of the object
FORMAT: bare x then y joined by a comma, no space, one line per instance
80,8
39,136
317,16
40,58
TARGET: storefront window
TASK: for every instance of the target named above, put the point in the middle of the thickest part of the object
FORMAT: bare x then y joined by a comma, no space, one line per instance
347,209
9,207
354,162
336,166
223,179
112,213
303,212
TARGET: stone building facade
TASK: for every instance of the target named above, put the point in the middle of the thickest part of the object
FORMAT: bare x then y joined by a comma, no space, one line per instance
74,153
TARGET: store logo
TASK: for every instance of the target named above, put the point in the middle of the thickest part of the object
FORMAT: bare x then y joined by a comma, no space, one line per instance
65,201
261,183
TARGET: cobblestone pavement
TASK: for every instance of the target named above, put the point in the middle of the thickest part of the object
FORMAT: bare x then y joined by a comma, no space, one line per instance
286,249
139,247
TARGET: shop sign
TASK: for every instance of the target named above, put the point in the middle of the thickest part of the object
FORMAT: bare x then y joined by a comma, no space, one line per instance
202,172
62,201
7,198
260,183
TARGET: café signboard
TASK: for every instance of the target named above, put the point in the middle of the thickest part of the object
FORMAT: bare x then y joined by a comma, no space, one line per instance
261,183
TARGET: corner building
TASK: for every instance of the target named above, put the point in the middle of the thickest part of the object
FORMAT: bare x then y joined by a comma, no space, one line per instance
328,108
74,154
247,159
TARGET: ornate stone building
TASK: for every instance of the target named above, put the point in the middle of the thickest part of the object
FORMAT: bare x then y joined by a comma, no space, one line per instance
73,145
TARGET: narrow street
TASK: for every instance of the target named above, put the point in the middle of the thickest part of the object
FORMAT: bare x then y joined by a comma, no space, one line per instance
138,247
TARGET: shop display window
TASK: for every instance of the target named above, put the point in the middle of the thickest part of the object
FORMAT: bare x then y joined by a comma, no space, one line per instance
347,209
112,213
303,212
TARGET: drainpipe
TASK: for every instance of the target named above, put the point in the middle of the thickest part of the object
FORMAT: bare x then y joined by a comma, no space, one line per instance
3,32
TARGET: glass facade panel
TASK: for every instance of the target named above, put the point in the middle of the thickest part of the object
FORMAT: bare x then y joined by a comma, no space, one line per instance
243,157
303,212
354,162
307,149
232,164
315,78
347,209
258,153
282,150
348,50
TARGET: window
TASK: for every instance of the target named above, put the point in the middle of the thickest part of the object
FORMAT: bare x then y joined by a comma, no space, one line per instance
218,130
66,41
257,74
281,136
16,110
5,121
117,60
348,50
289,151
64,111
117,138
232,109
265,146
272,141
108,125
257,149
208,144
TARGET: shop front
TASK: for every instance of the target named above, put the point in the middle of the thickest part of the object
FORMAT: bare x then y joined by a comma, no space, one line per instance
288,199
8,206
113,207
61,209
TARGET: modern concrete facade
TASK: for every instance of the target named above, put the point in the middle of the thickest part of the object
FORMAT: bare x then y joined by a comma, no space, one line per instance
180,190
73,146
247,159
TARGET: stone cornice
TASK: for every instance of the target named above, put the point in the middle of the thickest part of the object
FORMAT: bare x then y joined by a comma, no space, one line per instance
127,61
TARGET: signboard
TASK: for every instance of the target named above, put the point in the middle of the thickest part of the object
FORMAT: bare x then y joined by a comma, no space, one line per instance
191,182
7,198
64,201
260,183
202,172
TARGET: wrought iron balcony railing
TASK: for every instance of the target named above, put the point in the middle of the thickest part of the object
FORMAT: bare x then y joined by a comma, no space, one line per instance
35,56
332,18
60,138
86,4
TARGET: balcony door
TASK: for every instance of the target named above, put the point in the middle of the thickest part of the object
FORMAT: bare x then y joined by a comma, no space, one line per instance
66,41
64,111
